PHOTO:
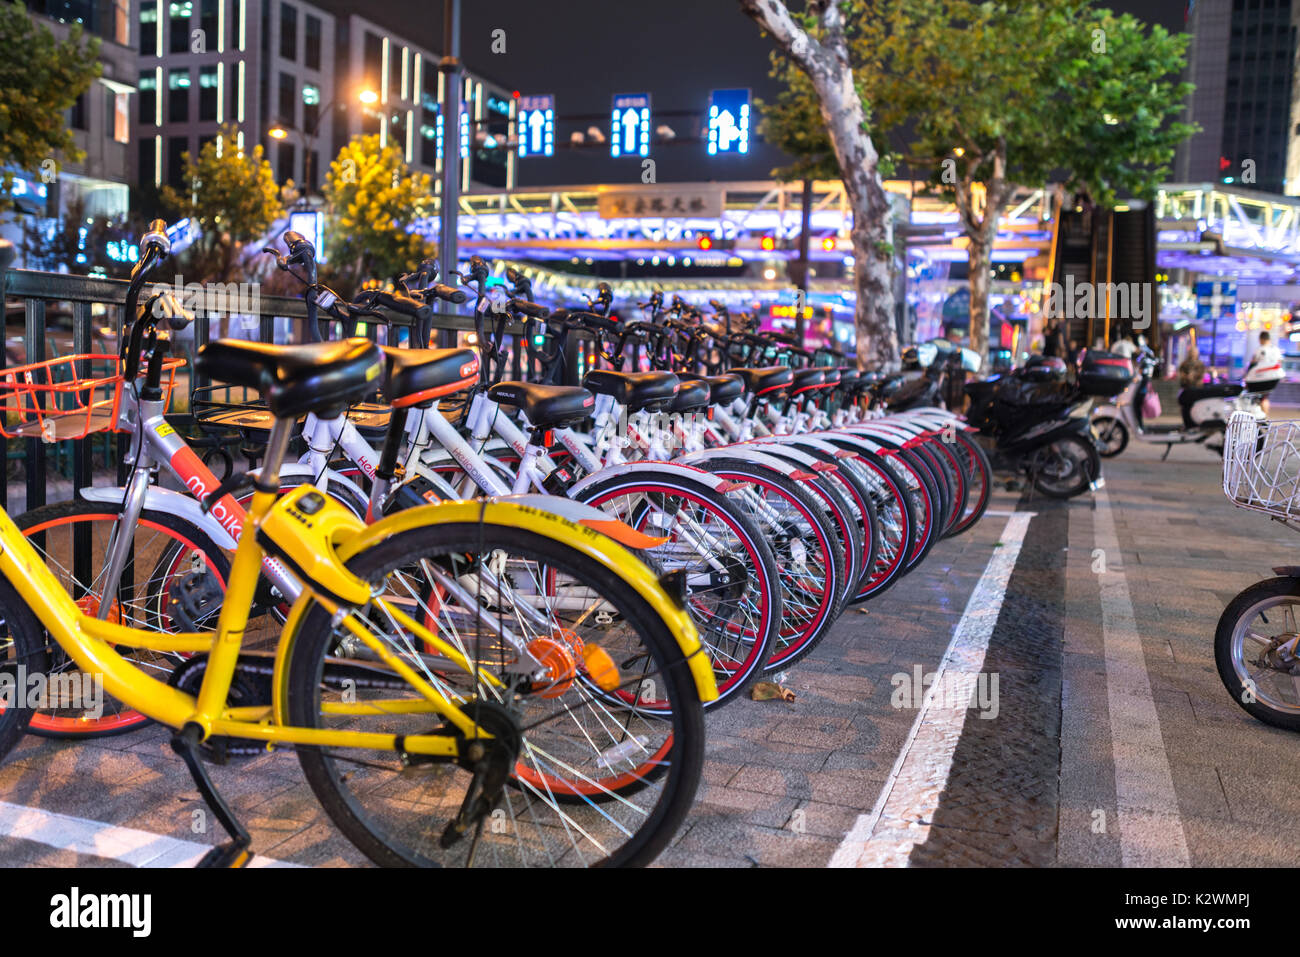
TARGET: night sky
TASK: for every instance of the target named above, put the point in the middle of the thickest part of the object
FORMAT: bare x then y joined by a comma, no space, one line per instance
584,51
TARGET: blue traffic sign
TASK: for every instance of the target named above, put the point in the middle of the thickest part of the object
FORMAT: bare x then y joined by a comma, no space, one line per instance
1216,300
728,122
629,125
537,125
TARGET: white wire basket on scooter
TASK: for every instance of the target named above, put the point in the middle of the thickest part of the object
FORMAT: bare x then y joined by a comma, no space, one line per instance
1261,465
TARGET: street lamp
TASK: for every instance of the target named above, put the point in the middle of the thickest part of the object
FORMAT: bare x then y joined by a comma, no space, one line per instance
278,132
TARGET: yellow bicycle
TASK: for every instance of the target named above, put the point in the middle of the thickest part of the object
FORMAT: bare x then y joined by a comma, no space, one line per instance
471,683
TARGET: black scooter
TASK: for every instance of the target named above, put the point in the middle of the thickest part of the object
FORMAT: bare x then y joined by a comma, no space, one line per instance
1033,421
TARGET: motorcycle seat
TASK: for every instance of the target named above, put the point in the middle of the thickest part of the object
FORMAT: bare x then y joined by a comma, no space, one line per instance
1216,390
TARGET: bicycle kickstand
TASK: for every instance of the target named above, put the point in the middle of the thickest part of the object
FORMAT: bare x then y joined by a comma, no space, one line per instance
235,852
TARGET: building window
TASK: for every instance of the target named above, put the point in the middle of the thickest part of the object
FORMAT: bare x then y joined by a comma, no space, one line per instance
429,144
373,62
210,23
311,43
146,169
208,93
149,28
176,147
119,108
78,116
122,23
284,162
288,98
148,97
310,107
288,32
178,96
178,18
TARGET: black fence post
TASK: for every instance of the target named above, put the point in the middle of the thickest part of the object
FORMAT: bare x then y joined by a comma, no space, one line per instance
7,254
34,346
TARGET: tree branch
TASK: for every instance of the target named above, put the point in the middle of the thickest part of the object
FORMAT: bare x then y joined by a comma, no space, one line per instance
774,17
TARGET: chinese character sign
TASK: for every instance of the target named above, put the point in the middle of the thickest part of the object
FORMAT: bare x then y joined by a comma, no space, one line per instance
629,125
728,122
537,125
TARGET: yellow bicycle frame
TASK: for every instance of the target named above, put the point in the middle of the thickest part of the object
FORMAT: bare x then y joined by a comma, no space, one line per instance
91,642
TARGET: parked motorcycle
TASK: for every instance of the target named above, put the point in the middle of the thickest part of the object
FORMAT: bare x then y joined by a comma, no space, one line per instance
1034,421
1205,410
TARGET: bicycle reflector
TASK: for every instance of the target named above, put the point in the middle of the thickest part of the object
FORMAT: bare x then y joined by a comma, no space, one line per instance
601,667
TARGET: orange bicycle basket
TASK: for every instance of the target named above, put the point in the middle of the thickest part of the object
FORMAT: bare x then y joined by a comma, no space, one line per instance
69,397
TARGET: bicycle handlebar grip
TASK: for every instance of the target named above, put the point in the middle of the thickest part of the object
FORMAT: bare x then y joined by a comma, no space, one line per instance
447,293
156,237
529,308
300,251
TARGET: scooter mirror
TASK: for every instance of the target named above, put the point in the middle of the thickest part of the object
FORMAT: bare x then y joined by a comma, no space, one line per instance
970,360
926,353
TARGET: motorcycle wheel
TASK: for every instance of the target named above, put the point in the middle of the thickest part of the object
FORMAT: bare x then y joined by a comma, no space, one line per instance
1065,467
1110,435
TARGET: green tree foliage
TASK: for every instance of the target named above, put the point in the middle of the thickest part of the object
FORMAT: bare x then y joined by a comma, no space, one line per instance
373,199
40,79
233,197
998,94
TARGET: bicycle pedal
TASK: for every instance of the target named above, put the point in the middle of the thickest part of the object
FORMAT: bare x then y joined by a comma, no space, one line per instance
193,598
231,854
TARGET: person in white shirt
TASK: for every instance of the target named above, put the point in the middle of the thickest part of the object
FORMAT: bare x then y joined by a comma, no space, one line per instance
1124,347
1266,355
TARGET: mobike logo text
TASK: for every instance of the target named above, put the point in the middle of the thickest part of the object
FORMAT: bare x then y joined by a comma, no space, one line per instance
227,511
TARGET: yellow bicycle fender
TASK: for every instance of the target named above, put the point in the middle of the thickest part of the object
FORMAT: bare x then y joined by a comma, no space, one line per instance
588,540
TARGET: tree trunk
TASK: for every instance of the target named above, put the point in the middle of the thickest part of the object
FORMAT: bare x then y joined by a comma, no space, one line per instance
980,259
827,65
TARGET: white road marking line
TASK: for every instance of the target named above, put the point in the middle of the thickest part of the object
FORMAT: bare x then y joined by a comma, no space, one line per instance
906,805
127,844
1150,828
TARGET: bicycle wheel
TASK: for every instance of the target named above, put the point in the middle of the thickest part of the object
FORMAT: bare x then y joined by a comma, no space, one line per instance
809,556
895,510
601,777
73,538
23,653
731,574
979,476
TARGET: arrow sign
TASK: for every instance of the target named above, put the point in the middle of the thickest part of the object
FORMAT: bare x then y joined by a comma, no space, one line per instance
536,121
728,121
629,125
631,120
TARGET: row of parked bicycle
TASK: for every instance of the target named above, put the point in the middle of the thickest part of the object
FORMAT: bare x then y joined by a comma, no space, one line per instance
518,596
